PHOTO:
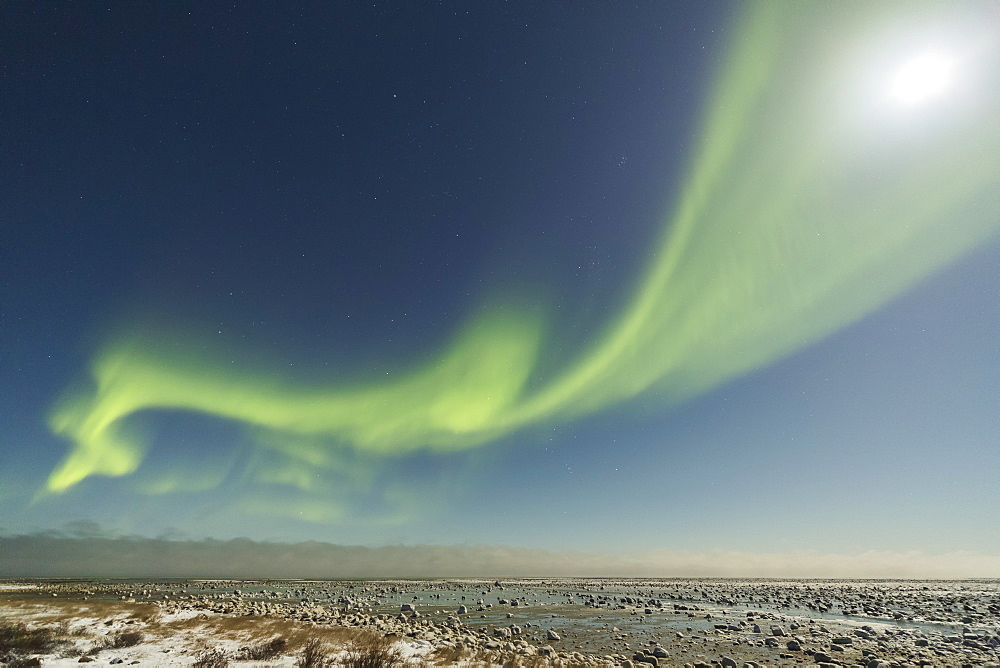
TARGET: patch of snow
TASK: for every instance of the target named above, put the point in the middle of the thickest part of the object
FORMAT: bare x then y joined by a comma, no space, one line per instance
181,615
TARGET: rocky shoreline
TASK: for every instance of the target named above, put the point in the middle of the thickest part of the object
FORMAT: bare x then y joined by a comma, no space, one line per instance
699,623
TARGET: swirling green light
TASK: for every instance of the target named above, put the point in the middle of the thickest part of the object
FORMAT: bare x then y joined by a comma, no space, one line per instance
807,205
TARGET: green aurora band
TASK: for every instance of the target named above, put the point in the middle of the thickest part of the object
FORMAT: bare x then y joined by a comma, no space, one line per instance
811,199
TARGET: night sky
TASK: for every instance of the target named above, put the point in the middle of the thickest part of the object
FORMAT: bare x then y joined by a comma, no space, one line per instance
631,279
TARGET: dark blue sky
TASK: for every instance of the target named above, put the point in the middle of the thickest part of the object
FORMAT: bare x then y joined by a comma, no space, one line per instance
326,193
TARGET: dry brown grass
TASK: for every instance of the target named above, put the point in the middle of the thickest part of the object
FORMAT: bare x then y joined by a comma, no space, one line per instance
65,612
314,655
18,640
365,650
370,650
126,639
253,625
21,638
263,650
119,624
447,656
211,658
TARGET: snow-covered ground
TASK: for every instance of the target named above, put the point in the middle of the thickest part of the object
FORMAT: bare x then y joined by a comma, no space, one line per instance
169,639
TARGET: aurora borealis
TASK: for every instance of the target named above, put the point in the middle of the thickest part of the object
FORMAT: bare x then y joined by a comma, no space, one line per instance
809,192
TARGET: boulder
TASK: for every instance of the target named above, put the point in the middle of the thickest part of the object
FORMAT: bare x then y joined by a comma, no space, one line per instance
640,658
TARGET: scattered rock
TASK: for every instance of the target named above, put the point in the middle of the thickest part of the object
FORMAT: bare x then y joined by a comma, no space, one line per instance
639,657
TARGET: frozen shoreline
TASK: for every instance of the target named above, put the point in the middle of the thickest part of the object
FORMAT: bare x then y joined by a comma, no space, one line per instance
535,622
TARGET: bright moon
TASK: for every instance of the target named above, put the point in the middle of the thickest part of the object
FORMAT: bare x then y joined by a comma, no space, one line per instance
921,78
